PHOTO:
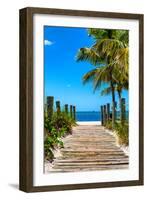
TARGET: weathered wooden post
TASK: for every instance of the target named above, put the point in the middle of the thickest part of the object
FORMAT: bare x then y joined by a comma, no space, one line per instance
105,115
50,105
71,111
102,116
74,112
108,112
123,110
58,106
66,109
114,106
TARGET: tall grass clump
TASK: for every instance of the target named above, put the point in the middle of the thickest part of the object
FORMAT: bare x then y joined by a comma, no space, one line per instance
121,130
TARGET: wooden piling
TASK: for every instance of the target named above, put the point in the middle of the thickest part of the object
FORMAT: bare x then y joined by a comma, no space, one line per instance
50,105
123,110
58,106
66,109
105,115
74,112
102,116
108,112
71,109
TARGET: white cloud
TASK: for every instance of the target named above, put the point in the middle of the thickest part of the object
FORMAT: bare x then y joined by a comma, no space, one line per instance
48,42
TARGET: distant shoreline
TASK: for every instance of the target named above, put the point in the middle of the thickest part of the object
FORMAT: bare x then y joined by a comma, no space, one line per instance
88,122
90,116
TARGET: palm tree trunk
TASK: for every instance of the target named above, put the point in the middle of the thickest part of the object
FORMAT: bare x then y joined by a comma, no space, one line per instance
121,106
113,103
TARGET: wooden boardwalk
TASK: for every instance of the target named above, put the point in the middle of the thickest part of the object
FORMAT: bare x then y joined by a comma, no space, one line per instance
89,148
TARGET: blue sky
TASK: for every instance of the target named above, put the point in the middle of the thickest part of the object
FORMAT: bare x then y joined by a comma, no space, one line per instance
63,75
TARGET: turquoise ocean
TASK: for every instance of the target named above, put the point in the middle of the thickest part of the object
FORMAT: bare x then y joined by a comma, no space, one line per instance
91,115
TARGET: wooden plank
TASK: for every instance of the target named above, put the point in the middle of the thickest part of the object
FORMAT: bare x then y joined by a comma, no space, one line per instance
89,148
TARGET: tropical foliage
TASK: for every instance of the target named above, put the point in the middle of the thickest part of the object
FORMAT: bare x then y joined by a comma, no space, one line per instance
56,128
109,55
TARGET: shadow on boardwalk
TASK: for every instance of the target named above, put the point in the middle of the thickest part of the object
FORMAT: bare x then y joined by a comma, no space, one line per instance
89,148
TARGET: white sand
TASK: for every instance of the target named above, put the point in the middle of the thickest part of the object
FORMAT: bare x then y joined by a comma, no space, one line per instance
124,148
89,122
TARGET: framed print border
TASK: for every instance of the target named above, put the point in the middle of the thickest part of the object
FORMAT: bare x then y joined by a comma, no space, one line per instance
26,99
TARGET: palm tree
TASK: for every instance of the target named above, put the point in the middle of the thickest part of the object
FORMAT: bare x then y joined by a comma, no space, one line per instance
118,88
106,51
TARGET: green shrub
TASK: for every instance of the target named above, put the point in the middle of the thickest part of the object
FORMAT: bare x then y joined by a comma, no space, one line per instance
62,120
57,127
48,153
47,123
53,141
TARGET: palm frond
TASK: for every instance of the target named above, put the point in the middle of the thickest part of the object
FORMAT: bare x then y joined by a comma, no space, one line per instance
119,78
97,34
121,59
102,75
106,91
89,76
107,47
89,54
124,37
